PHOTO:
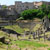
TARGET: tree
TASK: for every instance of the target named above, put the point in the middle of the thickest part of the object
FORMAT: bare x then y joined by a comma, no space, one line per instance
40,14
32,13
27,14
4,6
49,7
49,11
45,8
49,15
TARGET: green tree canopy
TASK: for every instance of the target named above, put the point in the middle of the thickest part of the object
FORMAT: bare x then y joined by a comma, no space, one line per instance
32,13
45,8
4,6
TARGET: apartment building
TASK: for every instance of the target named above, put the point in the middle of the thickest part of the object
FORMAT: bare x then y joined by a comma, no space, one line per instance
20,6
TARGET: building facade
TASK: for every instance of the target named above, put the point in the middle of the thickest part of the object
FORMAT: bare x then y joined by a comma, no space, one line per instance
37,4
19,6
11,7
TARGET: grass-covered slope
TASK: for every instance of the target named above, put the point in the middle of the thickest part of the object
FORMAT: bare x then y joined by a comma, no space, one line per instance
15,28
25,43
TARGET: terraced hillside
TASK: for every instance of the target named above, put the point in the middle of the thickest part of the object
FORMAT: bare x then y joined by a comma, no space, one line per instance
23,43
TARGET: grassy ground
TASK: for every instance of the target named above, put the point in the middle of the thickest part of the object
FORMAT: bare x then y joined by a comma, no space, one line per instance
48,48
30,45
21,30
24,44
15,28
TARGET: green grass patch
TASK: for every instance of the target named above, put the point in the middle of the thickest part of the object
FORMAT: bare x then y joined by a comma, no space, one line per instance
2,33
48,48
29,43
15,28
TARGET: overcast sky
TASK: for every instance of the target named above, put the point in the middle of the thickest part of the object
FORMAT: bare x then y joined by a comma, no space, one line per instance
12,2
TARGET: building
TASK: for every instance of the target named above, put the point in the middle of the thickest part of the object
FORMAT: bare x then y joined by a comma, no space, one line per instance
38,4
20,6
11,7
45,2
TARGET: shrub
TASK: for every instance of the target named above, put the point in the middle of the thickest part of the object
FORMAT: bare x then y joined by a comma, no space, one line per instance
32,13
49,15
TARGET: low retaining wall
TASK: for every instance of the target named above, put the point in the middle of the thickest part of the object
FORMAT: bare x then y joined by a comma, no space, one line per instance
28,23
